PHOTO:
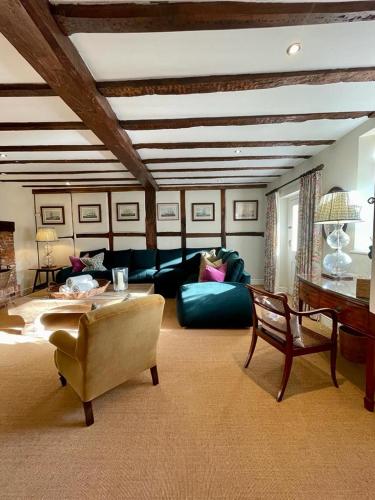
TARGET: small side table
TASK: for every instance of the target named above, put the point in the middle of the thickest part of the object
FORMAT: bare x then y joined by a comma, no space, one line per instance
47,270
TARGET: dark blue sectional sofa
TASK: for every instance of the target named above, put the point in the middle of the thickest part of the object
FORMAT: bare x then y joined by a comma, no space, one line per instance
167,269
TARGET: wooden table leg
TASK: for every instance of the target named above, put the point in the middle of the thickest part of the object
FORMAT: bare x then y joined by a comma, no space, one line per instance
370,375
35,280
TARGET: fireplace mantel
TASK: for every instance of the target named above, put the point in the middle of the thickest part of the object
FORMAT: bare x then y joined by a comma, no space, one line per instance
7,226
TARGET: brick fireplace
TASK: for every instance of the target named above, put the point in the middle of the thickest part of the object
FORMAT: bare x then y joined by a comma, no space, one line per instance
8,278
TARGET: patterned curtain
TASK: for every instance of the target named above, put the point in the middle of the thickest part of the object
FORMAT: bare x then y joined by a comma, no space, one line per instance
270,243
309,247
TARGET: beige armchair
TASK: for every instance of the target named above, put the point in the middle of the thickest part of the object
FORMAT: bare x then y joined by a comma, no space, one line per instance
114,344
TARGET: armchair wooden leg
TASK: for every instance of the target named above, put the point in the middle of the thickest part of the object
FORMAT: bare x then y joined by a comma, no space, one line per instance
333,365
89,416
154,375
62,380
287,369
252,349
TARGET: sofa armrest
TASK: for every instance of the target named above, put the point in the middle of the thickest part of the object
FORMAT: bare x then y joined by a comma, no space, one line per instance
64,342
245,278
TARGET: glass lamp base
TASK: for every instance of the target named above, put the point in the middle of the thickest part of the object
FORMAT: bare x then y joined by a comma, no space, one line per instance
337,264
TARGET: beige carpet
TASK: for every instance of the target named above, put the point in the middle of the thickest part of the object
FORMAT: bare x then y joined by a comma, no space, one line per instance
210,430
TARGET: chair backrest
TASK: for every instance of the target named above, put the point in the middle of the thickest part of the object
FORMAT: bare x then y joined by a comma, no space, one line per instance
120,338
271,312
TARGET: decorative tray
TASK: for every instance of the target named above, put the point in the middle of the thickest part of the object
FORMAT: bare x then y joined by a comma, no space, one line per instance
53,291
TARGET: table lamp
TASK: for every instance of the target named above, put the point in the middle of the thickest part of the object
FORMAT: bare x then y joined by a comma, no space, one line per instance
47,235
338,208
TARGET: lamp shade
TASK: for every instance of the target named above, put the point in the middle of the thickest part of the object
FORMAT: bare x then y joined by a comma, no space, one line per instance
46,234
339,207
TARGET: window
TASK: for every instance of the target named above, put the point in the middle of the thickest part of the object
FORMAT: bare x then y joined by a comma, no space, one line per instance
365,189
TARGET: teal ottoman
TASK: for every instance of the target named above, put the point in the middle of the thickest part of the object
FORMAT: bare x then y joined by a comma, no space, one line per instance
214,305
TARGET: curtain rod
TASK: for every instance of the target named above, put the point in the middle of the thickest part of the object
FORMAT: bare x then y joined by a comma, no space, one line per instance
316,169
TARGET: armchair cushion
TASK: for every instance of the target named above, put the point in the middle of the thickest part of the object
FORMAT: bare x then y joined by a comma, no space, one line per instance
64,342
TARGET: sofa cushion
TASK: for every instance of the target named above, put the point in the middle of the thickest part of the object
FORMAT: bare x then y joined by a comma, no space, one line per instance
214,305
77,264
117,258
142,275
206,262
143,259
94,263
214,273
170,258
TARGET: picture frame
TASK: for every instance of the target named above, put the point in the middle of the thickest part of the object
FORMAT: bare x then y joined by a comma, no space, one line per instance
89,213
168,211
203,211
52,216
245,210
127,211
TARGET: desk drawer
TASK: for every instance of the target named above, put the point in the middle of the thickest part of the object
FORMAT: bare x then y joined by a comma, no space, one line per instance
349,313
309,295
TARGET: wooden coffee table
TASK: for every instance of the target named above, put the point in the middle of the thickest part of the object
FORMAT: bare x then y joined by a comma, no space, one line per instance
42,314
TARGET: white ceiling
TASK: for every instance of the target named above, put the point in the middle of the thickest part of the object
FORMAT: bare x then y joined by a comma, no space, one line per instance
193,53
40,137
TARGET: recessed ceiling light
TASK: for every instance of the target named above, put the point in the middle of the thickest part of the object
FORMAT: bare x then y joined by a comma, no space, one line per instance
293,49
3,155
237,151
67,183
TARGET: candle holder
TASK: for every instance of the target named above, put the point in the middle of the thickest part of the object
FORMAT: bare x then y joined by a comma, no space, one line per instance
120,278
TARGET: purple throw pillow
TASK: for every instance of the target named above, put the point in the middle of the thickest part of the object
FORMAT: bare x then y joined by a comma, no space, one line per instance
214,273
77,264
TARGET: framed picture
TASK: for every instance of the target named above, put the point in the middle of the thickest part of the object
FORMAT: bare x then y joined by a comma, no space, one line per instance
203,211
127,211
168,211
245,210
90,213
52,215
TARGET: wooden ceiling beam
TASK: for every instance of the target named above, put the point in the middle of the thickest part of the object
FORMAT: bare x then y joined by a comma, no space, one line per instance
54,147
204,84
217,169
31,29
189,16
227,121
233,83
115,188
24,126
230,144
25,162
60,172
112,179
222,158
68,179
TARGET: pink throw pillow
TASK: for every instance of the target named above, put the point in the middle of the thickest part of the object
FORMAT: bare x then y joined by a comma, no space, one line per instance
77,264
214,273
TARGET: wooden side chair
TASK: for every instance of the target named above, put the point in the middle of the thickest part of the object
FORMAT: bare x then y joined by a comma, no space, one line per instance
279,325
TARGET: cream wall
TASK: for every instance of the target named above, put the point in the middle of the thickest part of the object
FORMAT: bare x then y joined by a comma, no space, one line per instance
17,205
340,162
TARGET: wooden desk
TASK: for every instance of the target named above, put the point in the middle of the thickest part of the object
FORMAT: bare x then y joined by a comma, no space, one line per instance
352,312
